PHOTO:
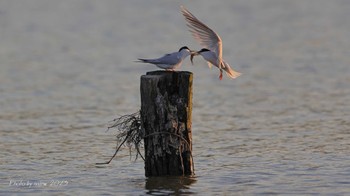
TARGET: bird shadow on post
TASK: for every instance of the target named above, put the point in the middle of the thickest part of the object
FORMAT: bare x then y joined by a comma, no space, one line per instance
166,109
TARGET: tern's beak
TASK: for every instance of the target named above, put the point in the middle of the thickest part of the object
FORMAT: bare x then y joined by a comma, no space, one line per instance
193,53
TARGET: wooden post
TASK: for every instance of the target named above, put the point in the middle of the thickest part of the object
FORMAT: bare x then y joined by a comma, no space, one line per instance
166,109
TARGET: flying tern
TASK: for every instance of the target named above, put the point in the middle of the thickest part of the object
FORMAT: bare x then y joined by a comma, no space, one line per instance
211,58
211,41
170,61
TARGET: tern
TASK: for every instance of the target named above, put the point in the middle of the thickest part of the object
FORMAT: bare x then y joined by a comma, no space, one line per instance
212,52
170,62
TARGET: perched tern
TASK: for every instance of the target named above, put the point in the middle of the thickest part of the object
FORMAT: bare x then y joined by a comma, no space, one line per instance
211,41
170,61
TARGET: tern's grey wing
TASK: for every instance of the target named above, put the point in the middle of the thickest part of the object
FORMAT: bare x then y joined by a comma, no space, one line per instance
170,59
202,33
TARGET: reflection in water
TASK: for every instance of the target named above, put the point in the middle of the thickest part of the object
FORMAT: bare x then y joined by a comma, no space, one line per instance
174,185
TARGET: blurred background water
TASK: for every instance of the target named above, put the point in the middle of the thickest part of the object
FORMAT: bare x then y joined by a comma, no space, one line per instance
66,70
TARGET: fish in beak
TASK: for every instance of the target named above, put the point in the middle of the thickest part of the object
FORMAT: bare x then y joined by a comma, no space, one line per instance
193,53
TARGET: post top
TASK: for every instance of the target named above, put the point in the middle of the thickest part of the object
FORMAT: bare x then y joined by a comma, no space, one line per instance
168,74
160,72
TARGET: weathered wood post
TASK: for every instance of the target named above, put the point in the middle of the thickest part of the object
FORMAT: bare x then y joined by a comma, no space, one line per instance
166,119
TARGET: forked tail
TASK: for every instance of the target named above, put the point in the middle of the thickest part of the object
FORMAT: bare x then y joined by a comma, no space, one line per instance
144,60
230,72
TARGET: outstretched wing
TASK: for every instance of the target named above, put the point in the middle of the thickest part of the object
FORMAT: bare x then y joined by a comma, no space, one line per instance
202,33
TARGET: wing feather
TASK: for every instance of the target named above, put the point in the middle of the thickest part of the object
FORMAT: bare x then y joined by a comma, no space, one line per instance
202,33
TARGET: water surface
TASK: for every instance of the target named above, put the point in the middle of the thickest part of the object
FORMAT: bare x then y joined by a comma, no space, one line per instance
281,128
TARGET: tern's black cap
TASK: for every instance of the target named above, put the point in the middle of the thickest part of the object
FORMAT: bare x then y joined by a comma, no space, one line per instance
184,47
203,50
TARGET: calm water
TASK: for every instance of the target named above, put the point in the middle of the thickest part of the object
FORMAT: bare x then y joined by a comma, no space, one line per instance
67,69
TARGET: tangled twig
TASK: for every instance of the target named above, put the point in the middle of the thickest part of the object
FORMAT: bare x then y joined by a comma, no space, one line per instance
130,132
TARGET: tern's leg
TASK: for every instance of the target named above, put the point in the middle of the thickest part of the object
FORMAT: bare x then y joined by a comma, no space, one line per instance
220,77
